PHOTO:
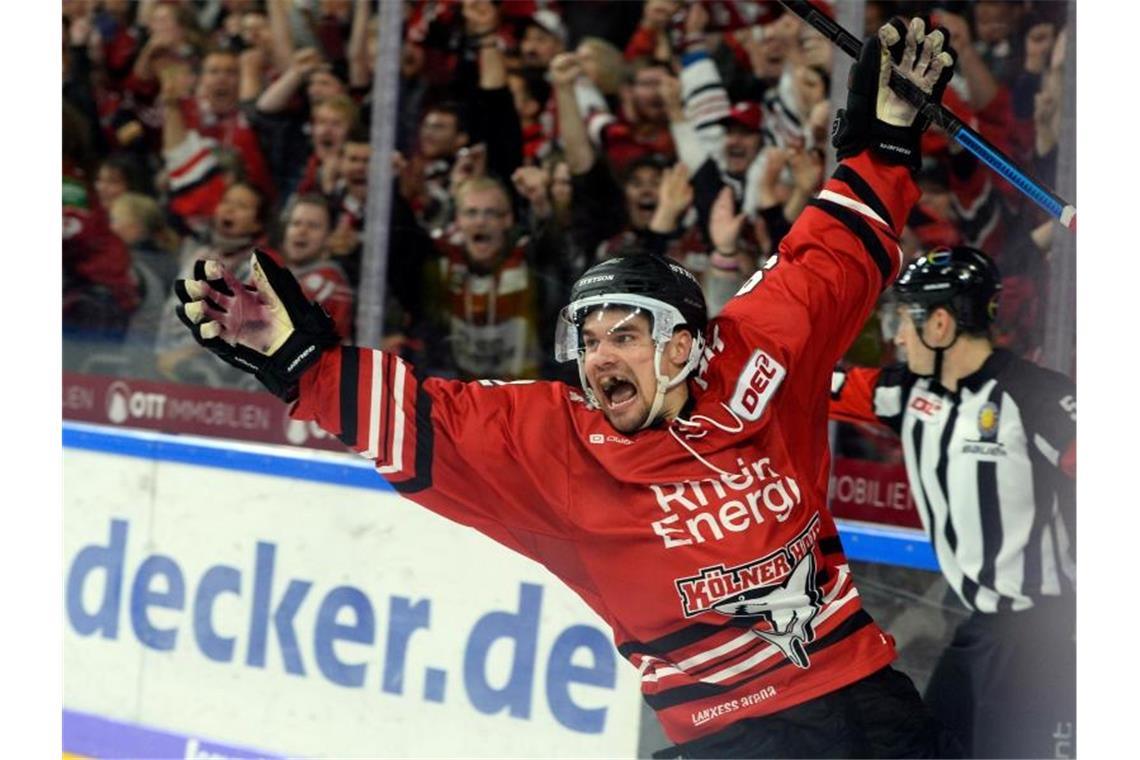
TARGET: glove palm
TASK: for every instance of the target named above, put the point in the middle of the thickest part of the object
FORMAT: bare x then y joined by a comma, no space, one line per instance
266,327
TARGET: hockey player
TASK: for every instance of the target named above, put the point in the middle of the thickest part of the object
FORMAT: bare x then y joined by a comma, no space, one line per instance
990,446
682,492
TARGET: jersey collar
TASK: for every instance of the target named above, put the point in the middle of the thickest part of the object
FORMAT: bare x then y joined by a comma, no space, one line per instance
991,368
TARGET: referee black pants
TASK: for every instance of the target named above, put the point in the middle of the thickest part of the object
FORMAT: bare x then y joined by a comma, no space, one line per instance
881,715
1006,684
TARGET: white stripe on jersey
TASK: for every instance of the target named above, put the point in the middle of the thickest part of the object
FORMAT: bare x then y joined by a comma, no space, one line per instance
1007,522
964,502
397,456
928,497
374,406
1050,582
851,203
1068,566
830,607
1017,503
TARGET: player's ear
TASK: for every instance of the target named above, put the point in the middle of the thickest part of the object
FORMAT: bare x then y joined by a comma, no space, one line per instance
679,346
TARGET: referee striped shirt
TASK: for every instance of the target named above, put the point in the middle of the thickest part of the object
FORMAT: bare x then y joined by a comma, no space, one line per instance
992,470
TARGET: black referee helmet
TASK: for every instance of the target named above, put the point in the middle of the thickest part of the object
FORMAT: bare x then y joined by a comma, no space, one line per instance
962,280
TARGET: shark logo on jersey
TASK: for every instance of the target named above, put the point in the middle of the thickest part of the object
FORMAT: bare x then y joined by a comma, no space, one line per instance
791,612
779,588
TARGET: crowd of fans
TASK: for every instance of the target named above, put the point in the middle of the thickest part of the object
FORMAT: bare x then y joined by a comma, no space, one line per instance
533,139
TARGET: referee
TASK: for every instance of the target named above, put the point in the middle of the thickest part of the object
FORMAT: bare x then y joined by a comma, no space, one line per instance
990,447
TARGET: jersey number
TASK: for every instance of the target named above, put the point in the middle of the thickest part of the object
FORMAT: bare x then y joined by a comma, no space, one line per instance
758,275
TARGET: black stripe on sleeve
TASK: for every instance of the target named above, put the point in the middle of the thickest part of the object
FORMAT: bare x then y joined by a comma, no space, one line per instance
425,443
969,592
989,507
864,192
940,471
385,448
916,435
858,225
349,395
1032,574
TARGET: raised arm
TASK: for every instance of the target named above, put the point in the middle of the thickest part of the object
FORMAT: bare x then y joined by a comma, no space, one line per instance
564,72
983,85
175,87
443,443
809,301
855,397
281,33
359,68
702,91
281,90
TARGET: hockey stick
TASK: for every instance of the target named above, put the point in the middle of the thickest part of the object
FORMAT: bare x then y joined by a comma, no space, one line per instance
980,147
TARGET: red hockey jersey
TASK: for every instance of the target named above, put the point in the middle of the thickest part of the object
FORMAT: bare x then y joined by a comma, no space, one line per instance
704,543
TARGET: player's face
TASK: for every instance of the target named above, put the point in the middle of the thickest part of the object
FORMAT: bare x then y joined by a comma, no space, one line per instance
619,365
919,358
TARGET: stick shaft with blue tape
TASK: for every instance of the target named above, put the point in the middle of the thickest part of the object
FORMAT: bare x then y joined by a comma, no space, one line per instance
974,143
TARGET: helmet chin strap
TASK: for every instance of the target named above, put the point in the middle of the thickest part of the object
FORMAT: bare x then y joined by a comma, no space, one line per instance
662,380
662,383
938,352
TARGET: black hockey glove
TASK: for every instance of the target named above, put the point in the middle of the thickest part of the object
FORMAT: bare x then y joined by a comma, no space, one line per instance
875,117
267,328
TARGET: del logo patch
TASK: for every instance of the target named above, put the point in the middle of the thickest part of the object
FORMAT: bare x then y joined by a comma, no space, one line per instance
757,383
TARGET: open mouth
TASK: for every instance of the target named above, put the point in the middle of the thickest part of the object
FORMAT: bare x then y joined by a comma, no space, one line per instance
481,238
618,393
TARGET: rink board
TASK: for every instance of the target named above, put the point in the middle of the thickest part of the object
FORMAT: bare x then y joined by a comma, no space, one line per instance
228,610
